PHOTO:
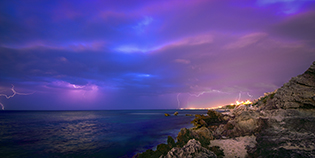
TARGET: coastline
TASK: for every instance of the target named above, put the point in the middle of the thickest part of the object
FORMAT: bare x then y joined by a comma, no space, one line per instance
278,124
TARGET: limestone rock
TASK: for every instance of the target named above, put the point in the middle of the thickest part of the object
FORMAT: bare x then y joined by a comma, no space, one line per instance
192,149
213,118
290,133
203,135
299,92
246,122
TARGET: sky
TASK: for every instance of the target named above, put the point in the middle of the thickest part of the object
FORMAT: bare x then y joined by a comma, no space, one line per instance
161,54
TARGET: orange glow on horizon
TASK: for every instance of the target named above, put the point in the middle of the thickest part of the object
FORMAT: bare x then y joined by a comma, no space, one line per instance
247,102
237,103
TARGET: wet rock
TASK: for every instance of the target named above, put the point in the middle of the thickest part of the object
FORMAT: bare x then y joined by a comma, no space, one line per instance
192,149
167,114
176,113
188,115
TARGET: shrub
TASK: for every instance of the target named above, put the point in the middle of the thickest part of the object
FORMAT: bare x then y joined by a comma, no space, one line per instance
218,151
272,95
170,142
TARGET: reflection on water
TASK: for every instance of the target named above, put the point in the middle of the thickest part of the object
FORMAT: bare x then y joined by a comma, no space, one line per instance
86,133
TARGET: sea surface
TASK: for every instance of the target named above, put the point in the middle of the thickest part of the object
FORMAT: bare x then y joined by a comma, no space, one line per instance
108,133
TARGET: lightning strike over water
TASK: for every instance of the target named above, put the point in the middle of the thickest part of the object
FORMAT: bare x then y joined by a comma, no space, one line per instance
11,96
2,107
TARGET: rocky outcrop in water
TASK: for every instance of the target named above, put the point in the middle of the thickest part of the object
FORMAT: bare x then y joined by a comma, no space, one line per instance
176,113
192,149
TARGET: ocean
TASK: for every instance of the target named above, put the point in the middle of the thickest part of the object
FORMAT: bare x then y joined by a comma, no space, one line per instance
108,133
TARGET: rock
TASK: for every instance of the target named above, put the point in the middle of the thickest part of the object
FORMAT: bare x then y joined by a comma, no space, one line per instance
290,133
188,115
192,149
203,135
226,118
218,132
167,114
299,92
213,118
184,136
235,147
245,123
282,122
176,113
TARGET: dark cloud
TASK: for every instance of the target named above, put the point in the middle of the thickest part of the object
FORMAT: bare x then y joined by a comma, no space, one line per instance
149,54
299,26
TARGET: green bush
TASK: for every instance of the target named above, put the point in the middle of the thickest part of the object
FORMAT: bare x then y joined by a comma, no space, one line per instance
230,106
162,149
272,95
170,142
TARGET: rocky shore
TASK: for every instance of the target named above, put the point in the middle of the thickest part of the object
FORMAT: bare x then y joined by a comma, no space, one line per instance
278,124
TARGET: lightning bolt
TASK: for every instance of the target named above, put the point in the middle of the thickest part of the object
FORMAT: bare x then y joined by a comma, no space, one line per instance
249,95
178,102
203,92
2,106
240,95
11,96
197,95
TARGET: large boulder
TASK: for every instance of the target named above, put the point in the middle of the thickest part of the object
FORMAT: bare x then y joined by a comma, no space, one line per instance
192,149
203,134
247,122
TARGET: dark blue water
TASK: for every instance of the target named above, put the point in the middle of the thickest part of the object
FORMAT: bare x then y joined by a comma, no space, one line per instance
111,133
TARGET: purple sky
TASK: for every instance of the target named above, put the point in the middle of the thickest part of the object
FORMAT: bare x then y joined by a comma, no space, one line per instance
86,55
